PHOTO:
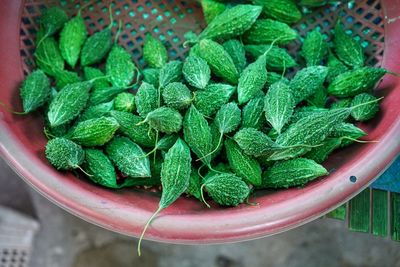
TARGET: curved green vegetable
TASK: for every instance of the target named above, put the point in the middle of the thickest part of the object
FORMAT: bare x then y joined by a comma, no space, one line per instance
128,157
232,22
35,91
295,172
279,105
100,168
219,60
196,72
165,120
197,134
266,31
68,103
64,154
243,165
120,68
72,38
96,47
94,132
154,52
125,102
177,95
226,189
175,176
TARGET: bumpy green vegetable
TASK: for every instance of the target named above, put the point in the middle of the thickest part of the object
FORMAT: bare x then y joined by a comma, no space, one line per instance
355,81
146,99
124,102
48,56
232,22
72,38
96,74
365,112
154,52
310,131
266,31
347,130
252,80
254,142
236,50
65,77
282,10
279,105
105,94
120,68
94,132
128,157
243,165
171,72
197,134
68,103
151,76
226,189
175,176
210,100
53,19
335,67
64,154
315,48
58,131
35,91
277,58
347,49
96,47
177,95
295,172
211,9
96,111
196,72
175,173
165,120
307,81
253,113
320,154
219,60
139,134
100,168
228,118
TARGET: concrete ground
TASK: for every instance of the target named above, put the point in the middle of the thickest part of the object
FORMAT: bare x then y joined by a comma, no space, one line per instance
66,241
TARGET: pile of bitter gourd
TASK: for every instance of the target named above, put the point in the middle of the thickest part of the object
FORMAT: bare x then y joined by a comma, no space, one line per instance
222,121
